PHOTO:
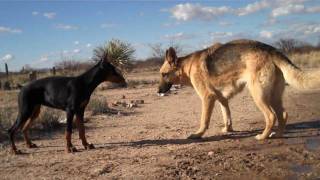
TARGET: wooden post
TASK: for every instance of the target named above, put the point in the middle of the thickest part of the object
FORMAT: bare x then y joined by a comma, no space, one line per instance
54,71
7,70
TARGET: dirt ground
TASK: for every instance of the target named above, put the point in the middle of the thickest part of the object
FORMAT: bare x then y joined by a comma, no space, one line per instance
149,142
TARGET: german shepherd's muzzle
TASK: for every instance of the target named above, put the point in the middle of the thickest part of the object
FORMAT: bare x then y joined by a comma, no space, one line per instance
164,87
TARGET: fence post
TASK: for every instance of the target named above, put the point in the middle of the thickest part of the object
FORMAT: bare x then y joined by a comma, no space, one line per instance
54,70
7,70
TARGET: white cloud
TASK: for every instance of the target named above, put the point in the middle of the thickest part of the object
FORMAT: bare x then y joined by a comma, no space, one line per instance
141,13
288,9
9,30
35,13
7,57
220,34
311,29
171,24
309,32
179,36
66,27
315,9
265,34
224,23
49,15
228,36
108,25
76,51
253,7
43,59
192,11
188,11
76,42
89,45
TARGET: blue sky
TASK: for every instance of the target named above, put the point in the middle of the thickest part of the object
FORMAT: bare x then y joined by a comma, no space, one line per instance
42,33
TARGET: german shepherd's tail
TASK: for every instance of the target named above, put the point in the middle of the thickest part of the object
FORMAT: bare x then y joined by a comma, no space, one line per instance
303,80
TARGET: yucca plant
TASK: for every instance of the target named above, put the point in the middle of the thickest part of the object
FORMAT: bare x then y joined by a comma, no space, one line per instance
120,53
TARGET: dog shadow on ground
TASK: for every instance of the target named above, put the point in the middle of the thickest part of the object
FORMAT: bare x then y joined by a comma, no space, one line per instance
294,130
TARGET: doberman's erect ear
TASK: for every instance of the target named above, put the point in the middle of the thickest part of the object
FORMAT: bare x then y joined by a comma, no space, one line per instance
171,56
104,59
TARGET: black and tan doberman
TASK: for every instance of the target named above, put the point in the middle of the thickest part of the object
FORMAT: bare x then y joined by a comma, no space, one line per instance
70,94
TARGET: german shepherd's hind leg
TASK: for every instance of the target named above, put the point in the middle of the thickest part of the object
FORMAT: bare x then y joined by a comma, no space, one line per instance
82,133
27,125
261,97
207,107
69,147
226,114
277,105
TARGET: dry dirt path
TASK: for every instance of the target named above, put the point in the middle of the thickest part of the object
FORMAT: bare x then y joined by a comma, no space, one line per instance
150,143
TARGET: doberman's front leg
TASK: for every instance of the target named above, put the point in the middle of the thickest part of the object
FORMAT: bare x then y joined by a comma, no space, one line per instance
69,147
82,133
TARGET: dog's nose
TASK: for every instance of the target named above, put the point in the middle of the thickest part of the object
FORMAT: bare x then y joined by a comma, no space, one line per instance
124,85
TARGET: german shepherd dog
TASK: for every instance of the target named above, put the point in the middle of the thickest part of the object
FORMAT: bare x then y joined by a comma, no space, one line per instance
70,94
223,70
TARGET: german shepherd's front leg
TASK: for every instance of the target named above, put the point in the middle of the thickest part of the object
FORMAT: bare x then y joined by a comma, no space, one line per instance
207,107
226,114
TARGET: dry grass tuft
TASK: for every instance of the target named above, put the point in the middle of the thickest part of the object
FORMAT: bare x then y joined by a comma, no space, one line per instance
99,106
49,119
307,60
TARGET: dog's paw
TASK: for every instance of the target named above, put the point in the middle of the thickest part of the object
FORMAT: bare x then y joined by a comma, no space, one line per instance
16,151
227,129
89,146
194,136
32,145
259,137
275,135
71,149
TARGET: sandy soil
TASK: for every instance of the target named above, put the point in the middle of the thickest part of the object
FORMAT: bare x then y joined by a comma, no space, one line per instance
149,142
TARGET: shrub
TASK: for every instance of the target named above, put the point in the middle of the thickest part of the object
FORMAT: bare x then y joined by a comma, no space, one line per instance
120,53
98,106
309,60
49,119
7,117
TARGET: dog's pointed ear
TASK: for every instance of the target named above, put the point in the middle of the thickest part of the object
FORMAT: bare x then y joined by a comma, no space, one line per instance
105,59
171,56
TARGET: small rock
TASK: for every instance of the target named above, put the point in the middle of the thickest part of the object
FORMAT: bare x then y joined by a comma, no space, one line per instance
123,96
210,153
140,101
161,94
131,105
119,113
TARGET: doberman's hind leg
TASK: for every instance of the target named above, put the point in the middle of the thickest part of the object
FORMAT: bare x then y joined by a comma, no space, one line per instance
25,129
69,146
23,116
82,133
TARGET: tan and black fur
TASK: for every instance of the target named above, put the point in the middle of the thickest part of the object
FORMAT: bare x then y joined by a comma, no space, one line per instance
223,70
